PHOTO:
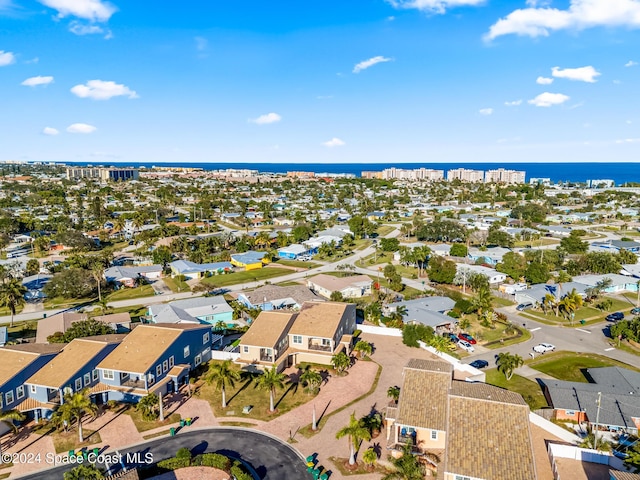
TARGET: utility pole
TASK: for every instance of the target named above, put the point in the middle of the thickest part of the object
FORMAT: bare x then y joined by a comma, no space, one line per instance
595,432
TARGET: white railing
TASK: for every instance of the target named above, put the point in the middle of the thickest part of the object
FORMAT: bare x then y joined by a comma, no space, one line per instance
226,355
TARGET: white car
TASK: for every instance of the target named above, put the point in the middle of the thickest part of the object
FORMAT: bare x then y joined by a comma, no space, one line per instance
465,346
544,347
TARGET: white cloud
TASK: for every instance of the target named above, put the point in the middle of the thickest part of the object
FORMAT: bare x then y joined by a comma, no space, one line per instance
33,60
547,99
81,128
631,63
582,74
538,3
514,103
50,131
369,63
102,90
6,58
266,119
92,10
35,81
544,81
434,6
334,142
629,140
581,14
201,43
485,111
391,18
78,28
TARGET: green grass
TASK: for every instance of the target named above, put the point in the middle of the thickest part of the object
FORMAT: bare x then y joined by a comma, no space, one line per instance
537,243
244,277
136,311
239,424
128,293
144,425
176,285
65,441
157,434
289,284
297,263
529,389
61,302
375,259
384,230
588,313
502,302
570,366
362,243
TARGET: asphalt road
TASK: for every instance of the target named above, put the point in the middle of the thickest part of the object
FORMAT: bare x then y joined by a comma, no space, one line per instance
270,458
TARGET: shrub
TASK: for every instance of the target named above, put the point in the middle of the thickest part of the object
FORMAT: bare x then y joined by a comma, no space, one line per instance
215,460
174,463
184,454
238,472
356,333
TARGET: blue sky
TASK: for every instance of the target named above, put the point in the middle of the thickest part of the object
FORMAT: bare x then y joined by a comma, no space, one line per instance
359,81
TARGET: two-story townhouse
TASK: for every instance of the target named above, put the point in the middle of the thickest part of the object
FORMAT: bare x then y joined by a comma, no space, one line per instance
152,359
17,364
72,370
266,342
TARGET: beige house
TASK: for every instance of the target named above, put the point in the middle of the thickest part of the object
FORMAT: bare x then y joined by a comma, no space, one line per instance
57,323
355,286
314,334
474,430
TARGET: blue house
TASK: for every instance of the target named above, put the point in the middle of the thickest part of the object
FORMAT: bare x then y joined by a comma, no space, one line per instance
208,310
292,251
72,370
152,359
19,362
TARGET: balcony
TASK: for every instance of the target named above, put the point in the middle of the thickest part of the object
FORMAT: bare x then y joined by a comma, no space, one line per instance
320,347
265,357
134,384
53,396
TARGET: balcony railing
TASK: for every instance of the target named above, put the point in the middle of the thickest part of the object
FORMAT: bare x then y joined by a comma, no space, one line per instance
322,348
266,357
53,397
134,384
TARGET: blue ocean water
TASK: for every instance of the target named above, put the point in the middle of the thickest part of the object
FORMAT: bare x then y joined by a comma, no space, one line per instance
557,172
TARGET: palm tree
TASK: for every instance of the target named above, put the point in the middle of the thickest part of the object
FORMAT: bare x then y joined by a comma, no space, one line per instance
548,301
363,348
400,312
356,432
507,363
271,380
149,406
571,302
340,362
221,375
406,467
441,344
370,457
8,417
311,379
394,393
12,296
75,407
97,270
483,298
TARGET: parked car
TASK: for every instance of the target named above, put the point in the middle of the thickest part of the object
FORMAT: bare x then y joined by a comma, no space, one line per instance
479,364
465,346
467,338
614,317
635,311
543,348
451,337
524,306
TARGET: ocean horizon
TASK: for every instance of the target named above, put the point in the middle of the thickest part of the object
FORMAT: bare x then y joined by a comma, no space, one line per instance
619,172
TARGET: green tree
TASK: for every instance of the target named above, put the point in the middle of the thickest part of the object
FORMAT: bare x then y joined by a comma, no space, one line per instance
75,407
356,432
97,271
574,244
336,296
312,380
537,273
8,417
441,344
12,296
458,250
162,256
413,333
71,283
220,375
87,328
406,467
441,270
341,362
390,244
513,264
271,380
363,348
149,406
83,472
482,300
500,238
625,257
507,363
370,457
33,267
393,393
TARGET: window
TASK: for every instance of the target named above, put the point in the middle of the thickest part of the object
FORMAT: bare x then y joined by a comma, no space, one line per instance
165,366
108,374
460,477
434,435
297,339
206,351
326,342
94,375
570,412
186,351
87,379
159,370
245,349
20,392
8,397
171,361
33,388
0,400
197,360
78,384
205,338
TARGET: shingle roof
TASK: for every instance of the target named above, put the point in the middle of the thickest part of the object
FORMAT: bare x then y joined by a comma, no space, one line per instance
320,319
620,475
267,328
12,362
187,310
337,284
124,317
488,439
299,293
185,266
56,323
482,391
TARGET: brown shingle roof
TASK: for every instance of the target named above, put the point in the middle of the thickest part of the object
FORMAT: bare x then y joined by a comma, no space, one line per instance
64,366
124,317
489,439
37,348
267,328
423,396
337,284
140,350
299,293
319,319
12,362
57,323
482,391
620,475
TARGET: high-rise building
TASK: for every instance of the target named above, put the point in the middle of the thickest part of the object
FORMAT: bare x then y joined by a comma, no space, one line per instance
502,175
102,173
465,175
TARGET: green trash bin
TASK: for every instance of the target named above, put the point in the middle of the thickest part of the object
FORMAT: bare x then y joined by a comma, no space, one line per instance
172,431
188,422
181,423
582,322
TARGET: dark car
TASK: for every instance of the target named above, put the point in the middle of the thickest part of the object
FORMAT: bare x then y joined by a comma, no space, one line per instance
635,311
467,338
614,317
479,364
524,306
451,337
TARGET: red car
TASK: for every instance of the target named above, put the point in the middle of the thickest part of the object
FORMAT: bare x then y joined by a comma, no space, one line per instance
467,338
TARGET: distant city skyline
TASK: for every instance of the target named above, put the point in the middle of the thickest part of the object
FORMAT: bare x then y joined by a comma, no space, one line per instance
422,82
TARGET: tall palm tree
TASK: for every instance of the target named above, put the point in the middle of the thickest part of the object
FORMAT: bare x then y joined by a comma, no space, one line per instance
12,296
221,375
507,363
271,380
363,348
356,432
8,417
97,270
75,407
483,298
311,379
340,362
393,393
441,344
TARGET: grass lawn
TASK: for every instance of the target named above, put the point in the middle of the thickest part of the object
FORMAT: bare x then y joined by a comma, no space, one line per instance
362,243
530,390
127,293
61,302
65,441
289,284
362,469
502,302
385,230
144,425
570,366
537,243
245,393
373,259
588,313
297,263
242,277
176,285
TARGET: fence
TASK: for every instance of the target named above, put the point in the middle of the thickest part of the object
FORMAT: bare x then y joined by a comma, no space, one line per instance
224,355
582,455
